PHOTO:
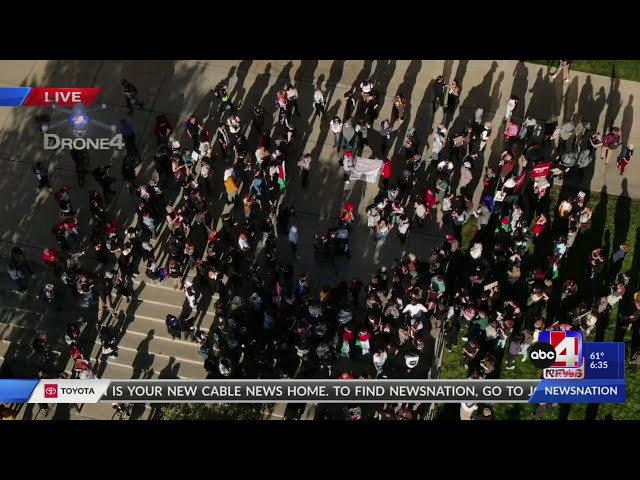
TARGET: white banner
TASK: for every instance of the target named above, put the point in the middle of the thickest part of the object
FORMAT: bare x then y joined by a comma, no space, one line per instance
367,169
69,391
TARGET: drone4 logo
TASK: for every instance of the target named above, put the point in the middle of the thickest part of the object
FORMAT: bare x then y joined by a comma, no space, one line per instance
80,121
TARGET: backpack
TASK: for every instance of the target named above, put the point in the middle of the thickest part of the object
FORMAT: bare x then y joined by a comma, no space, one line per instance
584,159
612,141
634,362
173,323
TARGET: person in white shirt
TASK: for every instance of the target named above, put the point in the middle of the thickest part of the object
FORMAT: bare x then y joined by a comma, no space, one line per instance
415,309
511,106
305,165
365,87
420,212
234,124
484,135
243,243
403,228
292,96
318,103
261,154
336,129
437,146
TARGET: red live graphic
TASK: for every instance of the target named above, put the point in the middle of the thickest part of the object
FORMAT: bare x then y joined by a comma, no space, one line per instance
62,97
50,390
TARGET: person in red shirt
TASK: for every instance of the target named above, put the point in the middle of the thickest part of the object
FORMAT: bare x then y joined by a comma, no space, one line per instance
346,215
385,169
50,257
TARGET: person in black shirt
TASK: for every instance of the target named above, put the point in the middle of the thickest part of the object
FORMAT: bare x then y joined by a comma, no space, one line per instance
193,127
438,93
130,95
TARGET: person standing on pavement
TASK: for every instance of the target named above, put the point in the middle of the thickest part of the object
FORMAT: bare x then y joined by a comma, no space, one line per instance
131,95
399,108
162,130
362,132
385,135
257,120
336,129
294,237
453,97
292,96
18,277
350,105
611,142
512,103
305,166
347,166
193,127
348,133
190,293
318,103
19,260
232,190
42,176
624,158
385,171
220,91
105,301
223,140
438,91
564,67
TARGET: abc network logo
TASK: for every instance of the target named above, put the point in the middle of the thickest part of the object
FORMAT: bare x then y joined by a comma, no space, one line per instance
557,350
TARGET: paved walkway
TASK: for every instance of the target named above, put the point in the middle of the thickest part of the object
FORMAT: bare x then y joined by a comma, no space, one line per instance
180,88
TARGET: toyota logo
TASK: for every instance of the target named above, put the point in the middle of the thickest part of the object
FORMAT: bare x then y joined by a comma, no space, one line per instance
51,390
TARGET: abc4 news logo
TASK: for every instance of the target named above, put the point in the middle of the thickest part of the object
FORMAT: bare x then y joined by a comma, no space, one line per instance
557,350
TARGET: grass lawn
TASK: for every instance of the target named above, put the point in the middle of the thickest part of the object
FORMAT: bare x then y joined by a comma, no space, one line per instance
614,220
623,69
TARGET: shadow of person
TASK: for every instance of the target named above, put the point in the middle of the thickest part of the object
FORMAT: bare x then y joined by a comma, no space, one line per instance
627,121
614,102
542,93
170,370
622,216
570,100
335,74
520,87
237,92
143,359
406,87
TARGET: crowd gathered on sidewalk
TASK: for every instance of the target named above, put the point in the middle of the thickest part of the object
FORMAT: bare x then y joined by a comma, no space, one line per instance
497,280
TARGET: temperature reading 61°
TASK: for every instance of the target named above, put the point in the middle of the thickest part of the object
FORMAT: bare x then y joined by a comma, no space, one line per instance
596,356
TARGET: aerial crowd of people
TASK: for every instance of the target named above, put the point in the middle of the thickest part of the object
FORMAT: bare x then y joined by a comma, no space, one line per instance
499,277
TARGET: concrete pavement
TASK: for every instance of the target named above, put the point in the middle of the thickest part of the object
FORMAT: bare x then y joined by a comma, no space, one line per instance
180,88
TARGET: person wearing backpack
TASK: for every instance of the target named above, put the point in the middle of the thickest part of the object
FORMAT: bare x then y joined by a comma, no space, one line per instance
130,95
611,142
624,158
173,326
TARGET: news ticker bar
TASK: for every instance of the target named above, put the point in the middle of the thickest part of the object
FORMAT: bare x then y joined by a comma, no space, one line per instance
312,391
